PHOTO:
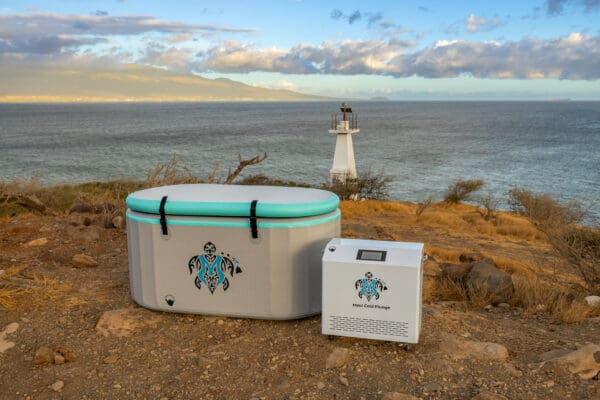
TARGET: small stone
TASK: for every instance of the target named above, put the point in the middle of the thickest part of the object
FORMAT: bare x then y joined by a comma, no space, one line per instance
8,330
57,386
467,349
512,370
489,307
67,353
44,355
337,358
593,301
433,387
58,359
344,381
123,322
37,242
505,306
485,395
398,396
111,359
118,222
548,384
220,322
320,385
84,261
117,386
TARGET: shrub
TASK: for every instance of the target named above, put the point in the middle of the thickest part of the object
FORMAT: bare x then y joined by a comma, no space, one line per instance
489,203
579,245
367,186
461,190
263,180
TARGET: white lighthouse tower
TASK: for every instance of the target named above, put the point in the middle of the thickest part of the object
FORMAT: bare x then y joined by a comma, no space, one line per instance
344,166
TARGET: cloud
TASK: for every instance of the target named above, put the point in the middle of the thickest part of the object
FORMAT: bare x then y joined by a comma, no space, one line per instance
575,57
554,7
572,57
375,20
100,13
347,57
59,36
16,25
473,23
354,16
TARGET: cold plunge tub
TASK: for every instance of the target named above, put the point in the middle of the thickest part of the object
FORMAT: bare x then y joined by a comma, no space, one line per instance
245,251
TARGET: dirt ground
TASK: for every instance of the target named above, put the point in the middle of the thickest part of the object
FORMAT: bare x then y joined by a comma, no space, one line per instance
182,356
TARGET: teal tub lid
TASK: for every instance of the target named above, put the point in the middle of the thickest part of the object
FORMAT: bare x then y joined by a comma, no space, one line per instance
234,201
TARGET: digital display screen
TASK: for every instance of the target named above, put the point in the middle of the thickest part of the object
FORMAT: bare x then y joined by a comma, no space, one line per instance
371,255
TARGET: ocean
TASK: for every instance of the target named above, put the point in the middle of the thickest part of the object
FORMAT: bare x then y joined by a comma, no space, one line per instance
550,147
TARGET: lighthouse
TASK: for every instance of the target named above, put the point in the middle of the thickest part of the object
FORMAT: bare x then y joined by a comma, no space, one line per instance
344,166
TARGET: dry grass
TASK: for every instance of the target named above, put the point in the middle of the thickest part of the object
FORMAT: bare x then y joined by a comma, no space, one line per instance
375,207
445,254
524,267
537,295
9,295
41,290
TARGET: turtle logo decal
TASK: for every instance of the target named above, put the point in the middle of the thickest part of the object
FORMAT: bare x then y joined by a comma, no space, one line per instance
369,287
211,269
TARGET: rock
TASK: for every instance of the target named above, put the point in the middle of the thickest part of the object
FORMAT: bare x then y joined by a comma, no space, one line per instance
584,362
67,353
398,396
59,359
57,386
83,208
485,395
111,359
512,370
470,257
484,277
320,385
593,301
125,321
344,381
337,358
455,272
84,261
8,330
462,349
37,242
505,306
118,222
433,387
44,355
549,355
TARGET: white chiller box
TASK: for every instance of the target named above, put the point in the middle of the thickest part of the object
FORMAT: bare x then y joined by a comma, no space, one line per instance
372,289
244,251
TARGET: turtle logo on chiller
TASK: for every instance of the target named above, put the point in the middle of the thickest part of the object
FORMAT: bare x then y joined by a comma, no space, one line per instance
369,287
211,268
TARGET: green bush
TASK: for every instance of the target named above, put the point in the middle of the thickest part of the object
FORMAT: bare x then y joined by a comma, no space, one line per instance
367,186
461,190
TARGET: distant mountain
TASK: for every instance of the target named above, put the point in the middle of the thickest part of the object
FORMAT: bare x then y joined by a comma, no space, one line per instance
379,98
134,83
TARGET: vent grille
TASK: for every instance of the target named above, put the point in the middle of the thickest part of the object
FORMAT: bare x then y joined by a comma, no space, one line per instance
368,326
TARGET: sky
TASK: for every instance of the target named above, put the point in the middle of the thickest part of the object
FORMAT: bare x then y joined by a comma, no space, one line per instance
401,50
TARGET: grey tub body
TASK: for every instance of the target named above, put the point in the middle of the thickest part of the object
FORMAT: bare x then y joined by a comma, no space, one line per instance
212,265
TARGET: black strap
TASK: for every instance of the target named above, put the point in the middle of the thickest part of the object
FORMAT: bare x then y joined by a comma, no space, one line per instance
163,218
253,226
